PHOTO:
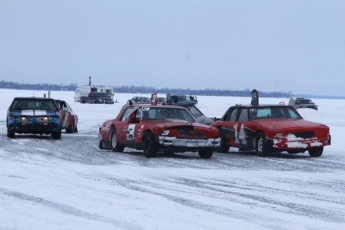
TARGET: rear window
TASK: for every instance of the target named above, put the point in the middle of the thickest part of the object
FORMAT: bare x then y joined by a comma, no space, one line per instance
33,104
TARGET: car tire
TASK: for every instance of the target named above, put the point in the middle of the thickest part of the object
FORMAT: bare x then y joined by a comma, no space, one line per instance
170,152
206,153
10,134
260,148
115,145
316,152
70,130
150,145
223,148
100,146
56,135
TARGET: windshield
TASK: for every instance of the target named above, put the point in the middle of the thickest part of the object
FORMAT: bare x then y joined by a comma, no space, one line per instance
156,113
273,112
305,101
194,110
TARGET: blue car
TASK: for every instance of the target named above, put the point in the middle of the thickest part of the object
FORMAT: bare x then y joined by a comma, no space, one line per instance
33,115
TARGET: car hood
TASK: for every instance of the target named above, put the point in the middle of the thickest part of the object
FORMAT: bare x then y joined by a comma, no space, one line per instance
173,123
288,124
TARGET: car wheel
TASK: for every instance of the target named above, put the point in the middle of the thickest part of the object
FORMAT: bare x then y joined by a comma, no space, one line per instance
100,145
205,153
315,152
10,134
83,101
75,127
169,152
115,145
260,145
56,135
70,129
223,148
150,145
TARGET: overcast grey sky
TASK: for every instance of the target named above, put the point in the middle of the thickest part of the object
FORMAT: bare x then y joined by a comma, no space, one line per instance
270,45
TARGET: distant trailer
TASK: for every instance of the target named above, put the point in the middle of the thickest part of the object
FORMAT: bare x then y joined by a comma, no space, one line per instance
84,90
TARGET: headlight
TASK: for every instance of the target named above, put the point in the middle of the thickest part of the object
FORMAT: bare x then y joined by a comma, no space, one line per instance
165,132
44,118
23,118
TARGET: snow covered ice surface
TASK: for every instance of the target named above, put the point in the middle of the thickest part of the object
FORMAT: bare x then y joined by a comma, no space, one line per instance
72,184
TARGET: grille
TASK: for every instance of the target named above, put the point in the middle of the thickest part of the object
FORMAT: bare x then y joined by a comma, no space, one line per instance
185,133
190,134
306,134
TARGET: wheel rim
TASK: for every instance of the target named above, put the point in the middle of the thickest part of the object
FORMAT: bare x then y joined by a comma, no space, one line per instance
114,140
260,145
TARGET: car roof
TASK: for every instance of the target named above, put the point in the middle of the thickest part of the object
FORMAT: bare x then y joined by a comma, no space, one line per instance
261,105
154,106
30,98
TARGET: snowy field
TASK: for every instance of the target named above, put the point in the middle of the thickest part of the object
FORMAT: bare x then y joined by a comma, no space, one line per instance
72,184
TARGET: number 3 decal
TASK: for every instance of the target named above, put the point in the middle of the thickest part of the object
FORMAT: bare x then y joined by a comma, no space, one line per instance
130,134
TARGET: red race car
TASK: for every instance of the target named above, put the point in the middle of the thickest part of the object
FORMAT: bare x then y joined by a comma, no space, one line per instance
270,128
153,128
69,119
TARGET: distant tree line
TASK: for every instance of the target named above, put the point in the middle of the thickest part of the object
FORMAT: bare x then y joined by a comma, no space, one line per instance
148,90
206,92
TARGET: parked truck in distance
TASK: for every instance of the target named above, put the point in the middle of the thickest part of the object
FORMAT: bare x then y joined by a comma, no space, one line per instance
96,98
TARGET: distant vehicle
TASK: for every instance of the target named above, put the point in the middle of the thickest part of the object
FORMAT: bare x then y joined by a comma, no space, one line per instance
85,90
300,102
154,128
271,128
181,99
141,100
33,115
161,100
189,102
69,119
96,98
147,100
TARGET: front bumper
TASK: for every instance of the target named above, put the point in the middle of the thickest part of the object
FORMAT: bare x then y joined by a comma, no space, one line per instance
34,128
192,143
300,144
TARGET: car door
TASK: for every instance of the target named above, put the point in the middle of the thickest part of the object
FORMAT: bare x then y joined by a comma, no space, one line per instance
129,128
229,127
122,125
241,137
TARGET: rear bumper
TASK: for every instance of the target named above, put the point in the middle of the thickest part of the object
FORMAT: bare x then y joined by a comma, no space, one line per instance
192,143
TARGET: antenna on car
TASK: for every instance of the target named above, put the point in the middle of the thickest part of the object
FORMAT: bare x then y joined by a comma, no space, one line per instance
255,98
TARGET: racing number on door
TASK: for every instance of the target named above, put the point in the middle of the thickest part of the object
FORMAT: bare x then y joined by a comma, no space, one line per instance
130,134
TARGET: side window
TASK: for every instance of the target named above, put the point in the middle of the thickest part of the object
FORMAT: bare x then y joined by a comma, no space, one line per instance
125,114
232,115
137,115
243,115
